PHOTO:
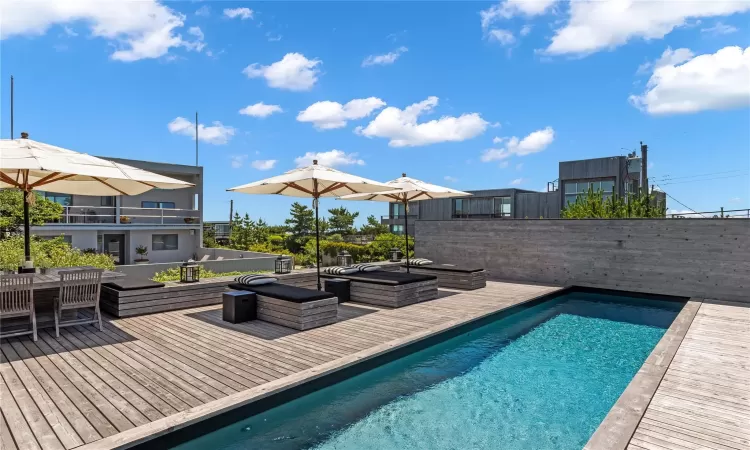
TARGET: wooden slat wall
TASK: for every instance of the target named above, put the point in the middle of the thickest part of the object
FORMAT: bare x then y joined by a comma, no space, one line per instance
686,257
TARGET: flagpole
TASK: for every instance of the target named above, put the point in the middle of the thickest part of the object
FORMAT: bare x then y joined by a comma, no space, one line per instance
196,138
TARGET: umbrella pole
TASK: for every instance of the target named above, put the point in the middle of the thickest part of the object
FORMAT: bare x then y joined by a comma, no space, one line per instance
317,242
406,232
26,228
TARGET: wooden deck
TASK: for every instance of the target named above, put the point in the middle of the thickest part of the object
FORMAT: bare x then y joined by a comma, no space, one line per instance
703,401
88,385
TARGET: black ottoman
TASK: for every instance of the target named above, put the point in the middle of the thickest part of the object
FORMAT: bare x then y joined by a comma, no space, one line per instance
239,306
338,287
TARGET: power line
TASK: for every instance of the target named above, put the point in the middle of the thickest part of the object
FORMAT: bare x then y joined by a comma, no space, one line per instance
670,178
684,205
706,179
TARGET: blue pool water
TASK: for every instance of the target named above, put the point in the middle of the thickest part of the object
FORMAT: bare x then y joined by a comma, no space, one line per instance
542,378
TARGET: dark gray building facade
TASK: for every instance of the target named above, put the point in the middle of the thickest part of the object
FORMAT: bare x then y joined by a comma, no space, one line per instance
613,175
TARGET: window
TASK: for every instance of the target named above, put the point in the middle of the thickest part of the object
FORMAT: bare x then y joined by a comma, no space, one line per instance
163,242
62,199
575,188
398,210
397,229
161,205
222,228
460,207
108,201
501,207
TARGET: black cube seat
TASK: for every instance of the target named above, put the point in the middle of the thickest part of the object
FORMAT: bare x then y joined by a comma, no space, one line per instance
132,284
291,306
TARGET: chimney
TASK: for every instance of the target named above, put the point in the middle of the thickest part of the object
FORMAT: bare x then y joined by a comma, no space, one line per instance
403,174
24,135
315,161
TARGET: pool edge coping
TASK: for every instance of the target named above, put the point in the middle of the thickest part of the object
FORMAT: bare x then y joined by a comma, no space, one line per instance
620,423
147,432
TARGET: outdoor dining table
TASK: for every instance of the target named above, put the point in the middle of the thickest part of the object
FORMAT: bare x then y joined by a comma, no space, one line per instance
46,288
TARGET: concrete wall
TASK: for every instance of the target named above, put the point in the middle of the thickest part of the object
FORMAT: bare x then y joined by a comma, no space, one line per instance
187,245
228,265
226,253
82,239
708,258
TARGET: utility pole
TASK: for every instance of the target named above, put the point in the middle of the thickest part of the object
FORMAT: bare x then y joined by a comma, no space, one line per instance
231,214
644,168
196,139
11,106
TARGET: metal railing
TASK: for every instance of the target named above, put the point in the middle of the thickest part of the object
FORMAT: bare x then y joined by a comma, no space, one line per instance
481,216
721,214
400,217
107,215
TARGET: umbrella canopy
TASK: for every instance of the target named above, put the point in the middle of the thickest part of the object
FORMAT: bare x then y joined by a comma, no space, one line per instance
313,181
30,165
405,190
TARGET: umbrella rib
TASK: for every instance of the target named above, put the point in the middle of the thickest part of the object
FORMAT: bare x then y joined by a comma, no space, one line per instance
46,181
147,184
9,180
108,185
282,190
332,187
418,195
299,188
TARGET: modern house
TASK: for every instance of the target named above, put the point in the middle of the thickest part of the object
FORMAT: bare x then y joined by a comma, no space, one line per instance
167,222
612,175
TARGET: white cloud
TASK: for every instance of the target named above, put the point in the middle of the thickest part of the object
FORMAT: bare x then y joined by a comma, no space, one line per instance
497,140
511,8
263,164
706,82
519,166
518,181
237,161
668,58
203,11
533,143
450,179
384,60
241,13
69,31
719,29
294,72
503,165
331,158
198,44
261,110
504,37
735,200
327,115
525,30
401,127
216,134
137,30
273,37
597,25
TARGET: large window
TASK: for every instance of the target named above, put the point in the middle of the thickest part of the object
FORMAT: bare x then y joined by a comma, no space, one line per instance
162,205
460,207
397,229
398,210
501,207
108,201
62,199
164,242
575,188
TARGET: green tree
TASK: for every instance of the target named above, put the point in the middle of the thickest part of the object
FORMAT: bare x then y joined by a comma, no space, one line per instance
593,205
247,232
302,220
373,227
11,211
49,253
341,221
209,237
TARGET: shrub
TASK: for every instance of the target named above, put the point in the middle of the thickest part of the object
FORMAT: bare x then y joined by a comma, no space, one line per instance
49,253
378,250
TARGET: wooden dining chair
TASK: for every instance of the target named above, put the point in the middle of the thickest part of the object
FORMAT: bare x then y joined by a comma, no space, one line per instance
79,288
17,300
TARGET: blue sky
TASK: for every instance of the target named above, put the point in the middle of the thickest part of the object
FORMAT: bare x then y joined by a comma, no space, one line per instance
512,88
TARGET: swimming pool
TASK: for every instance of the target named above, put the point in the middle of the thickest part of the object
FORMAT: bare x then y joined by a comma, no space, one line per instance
541,378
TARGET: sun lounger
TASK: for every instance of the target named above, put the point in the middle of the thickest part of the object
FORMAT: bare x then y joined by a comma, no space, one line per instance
454,276
394,289
292,306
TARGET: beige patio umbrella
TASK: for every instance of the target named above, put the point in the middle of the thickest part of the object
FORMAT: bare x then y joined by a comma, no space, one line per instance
313,181
405,190
30,165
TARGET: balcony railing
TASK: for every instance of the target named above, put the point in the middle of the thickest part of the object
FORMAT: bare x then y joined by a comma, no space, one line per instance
107,215
400,217
481,216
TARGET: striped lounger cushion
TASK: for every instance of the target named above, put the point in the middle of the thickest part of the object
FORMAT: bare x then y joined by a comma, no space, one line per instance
338,270
255,280
366,267
420,262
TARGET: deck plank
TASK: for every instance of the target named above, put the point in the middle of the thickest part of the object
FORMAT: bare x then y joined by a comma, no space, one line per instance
703,401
